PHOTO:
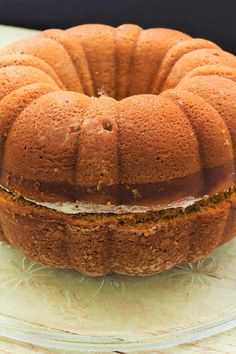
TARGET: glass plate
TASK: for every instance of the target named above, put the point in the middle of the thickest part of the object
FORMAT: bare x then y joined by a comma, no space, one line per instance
63,309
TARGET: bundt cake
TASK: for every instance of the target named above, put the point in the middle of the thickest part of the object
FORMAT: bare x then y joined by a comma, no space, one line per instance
117,148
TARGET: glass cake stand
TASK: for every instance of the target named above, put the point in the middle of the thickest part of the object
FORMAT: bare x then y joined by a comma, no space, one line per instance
63,309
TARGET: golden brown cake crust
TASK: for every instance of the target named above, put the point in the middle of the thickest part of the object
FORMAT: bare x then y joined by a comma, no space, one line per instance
98,244
141,141
161,131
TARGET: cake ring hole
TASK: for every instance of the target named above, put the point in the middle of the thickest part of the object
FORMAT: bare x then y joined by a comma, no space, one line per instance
107,126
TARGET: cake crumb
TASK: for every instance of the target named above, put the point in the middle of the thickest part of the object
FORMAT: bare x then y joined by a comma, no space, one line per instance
227,142
102,92
99,187
74,127
136,193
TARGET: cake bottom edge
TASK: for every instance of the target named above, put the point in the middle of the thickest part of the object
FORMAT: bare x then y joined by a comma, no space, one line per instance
97,245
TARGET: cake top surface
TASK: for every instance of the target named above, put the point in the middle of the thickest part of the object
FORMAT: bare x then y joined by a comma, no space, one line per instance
117,116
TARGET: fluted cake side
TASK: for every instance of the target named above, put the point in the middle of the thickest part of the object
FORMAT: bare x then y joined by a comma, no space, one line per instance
117,117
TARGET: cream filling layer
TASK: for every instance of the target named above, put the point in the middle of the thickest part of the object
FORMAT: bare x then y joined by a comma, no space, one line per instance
91,208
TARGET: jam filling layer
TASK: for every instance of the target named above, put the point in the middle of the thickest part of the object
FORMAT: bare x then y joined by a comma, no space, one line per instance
119,198
141,213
